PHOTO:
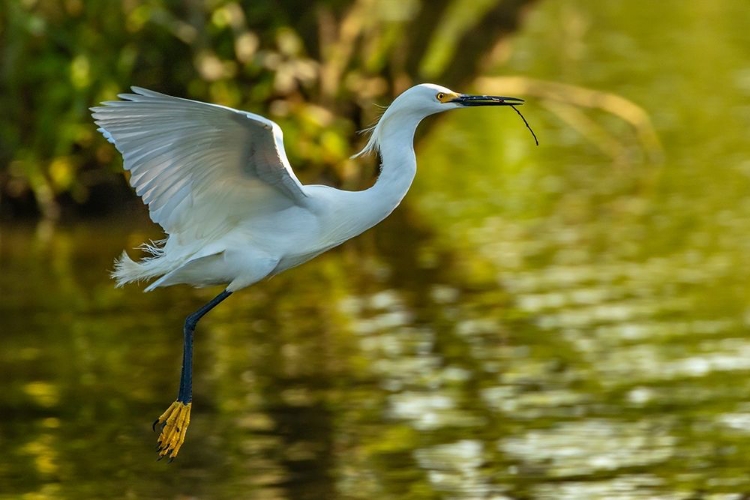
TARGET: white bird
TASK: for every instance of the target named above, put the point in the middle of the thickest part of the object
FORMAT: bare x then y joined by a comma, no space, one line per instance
218,181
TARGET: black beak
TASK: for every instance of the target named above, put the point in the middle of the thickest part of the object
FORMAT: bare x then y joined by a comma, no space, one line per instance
487,100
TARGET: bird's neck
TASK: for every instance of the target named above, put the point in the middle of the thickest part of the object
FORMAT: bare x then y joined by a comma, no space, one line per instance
358,211
398,167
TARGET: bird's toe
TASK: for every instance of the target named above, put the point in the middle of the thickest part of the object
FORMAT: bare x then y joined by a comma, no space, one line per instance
174,423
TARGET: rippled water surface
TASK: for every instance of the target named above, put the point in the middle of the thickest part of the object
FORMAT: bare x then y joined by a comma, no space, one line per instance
562,322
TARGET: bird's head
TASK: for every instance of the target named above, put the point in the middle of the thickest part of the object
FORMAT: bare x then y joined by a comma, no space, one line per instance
427,99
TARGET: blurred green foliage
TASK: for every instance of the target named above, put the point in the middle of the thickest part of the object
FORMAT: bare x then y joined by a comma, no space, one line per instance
315,67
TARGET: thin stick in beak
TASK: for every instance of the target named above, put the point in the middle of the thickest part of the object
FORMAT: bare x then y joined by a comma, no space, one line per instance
527,123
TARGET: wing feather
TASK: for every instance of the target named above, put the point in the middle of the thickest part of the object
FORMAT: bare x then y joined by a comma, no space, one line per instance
199,165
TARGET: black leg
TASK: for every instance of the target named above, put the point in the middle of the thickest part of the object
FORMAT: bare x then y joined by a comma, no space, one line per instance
185,394
175,420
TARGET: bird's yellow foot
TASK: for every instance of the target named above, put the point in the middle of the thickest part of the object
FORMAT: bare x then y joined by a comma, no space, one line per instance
174,423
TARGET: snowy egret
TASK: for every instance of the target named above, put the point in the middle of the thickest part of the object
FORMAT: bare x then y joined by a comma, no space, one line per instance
218,182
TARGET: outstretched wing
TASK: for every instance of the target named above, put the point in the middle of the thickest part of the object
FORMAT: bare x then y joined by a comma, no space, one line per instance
199,166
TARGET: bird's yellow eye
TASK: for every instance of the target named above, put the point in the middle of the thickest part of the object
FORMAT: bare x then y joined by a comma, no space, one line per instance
445,97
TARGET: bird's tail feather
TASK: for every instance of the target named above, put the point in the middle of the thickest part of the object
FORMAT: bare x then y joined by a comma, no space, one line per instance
127,270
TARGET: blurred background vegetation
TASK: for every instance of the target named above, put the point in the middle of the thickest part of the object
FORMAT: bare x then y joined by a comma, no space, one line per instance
315,67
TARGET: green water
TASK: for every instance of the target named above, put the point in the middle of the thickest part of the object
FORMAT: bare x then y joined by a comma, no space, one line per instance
547,322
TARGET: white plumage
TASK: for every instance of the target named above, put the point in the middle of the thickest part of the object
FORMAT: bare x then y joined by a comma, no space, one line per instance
219,183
